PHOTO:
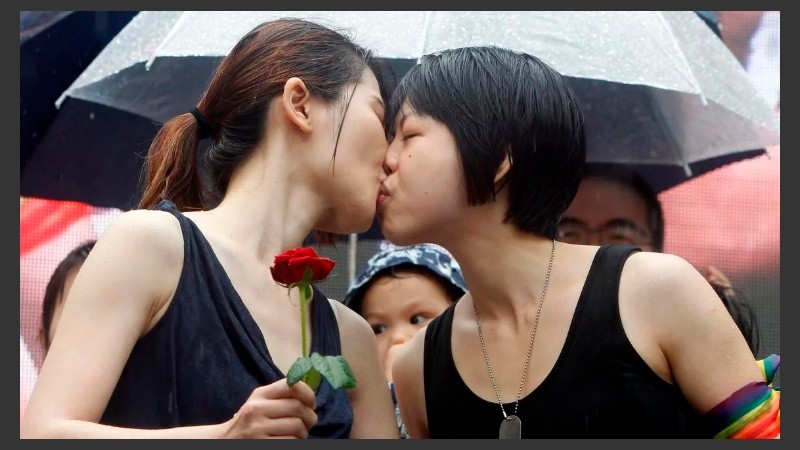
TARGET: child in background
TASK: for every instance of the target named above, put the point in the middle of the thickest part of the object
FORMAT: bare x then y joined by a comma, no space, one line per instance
58,287
398,291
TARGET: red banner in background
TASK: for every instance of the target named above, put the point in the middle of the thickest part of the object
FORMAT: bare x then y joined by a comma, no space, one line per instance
729,218
41,220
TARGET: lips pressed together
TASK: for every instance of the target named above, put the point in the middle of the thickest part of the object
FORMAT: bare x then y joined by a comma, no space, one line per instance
383,195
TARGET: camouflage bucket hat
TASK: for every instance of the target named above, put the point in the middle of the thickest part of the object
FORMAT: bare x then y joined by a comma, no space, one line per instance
431,256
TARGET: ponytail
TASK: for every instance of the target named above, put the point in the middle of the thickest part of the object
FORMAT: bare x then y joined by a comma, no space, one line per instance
171,169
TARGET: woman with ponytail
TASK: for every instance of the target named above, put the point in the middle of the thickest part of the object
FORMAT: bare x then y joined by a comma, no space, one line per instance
174,326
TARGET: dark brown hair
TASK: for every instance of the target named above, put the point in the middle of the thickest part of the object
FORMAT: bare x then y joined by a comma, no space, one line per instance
54,292
235,104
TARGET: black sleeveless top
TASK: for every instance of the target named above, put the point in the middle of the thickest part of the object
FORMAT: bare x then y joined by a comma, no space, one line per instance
599,387
206,355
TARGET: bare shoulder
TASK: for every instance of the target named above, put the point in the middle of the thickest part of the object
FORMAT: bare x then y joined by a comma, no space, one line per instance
661,266
139,226
147,244
358,341
679,325
408,365
351,324
670,314
664,276
410,354
666,298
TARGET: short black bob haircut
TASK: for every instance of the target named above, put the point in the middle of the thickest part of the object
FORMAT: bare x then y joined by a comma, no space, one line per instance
498,102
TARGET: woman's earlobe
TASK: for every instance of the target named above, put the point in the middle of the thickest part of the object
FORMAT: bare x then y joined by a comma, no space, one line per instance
295,101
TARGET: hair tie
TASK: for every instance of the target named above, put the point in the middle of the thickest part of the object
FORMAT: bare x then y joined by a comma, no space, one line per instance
203,127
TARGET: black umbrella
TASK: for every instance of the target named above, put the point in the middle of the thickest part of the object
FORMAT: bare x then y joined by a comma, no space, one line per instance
101,169
54,48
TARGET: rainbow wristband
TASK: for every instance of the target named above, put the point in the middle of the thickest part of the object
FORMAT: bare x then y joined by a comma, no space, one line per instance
752,412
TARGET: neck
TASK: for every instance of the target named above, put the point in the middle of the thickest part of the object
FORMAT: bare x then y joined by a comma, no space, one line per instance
269,205
505,273
511,426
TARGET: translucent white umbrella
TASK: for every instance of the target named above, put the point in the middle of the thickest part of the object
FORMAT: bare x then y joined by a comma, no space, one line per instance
659,89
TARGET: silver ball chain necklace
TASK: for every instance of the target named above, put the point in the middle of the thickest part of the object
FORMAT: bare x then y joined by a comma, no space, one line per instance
511,425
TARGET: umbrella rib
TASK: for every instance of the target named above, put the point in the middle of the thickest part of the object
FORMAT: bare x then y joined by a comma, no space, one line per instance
673,144
425,31
166,39
692,79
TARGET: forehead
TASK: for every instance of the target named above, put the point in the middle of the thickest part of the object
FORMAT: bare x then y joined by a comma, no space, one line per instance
387,293
366,91
600,200
408,116
369,82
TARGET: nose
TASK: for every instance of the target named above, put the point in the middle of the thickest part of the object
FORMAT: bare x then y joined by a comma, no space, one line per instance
391,159
593,238
401,334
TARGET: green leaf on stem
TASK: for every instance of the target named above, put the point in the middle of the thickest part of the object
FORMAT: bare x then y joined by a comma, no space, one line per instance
335,369
313,368
299,369
312,378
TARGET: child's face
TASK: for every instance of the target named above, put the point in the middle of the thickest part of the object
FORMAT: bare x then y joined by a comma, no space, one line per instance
397,307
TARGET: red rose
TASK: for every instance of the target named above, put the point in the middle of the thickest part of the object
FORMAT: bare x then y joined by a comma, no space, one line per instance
290,266
299,267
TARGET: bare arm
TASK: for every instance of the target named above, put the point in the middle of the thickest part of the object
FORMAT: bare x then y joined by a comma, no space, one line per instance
129,275
704,352
407,374
372,404
119,294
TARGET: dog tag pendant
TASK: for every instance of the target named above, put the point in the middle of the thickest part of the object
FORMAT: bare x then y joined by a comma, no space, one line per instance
511,428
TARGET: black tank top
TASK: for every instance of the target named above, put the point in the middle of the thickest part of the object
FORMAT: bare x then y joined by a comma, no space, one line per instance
206,355
599,387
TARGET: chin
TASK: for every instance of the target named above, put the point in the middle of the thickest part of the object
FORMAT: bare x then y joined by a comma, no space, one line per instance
395,236
360,226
